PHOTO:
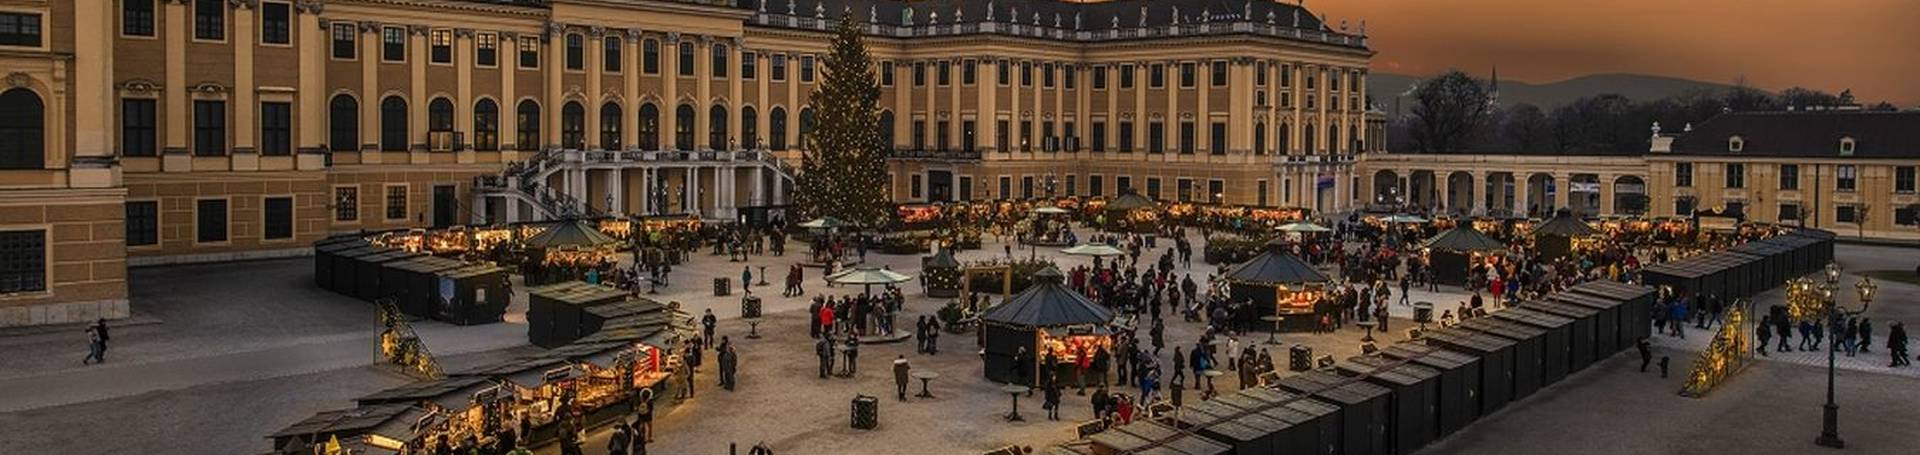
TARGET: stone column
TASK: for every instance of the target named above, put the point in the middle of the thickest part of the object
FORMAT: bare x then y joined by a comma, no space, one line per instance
507,56
417,108
370,95
669,93
310,120
177,119
596,55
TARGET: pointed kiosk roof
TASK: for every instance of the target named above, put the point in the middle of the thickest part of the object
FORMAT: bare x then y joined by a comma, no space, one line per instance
1048,303
1464,238
1565,225
943,260
1130,201
571,233
1275,267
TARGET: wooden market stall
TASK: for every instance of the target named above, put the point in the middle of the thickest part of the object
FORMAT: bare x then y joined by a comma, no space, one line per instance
413,283
1561,236
1458,401
472,294
1364,410
567,251
1496,362
1046,318
1413,407
1279,284
1454,253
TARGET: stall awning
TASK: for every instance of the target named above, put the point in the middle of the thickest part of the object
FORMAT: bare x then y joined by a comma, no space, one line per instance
1565,225
574,233
1130,201
1048,304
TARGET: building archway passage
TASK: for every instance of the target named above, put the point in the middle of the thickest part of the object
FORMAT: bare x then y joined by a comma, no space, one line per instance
1386,187
1423,189
1541,189
1583,194
1500,194
1460,192
1629,195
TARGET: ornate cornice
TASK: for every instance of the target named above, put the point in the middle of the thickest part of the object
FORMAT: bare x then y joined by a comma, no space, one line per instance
311,6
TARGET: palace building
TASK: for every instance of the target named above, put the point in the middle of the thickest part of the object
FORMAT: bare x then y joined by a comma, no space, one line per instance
137,132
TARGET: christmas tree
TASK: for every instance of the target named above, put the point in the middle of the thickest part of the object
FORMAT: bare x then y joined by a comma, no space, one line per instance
843,172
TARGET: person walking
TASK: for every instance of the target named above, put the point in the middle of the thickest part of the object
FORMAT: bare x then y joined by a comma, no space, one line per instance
106,338
1052,401
707,323
853,355
823,348
746,279
1646,353
1763,331
900,370
729,367
1897,345
96,347
621,440
1866,335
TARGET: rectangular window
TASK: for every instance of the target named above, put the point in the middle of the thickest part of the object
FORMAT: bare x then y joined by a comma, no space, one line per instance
1260,74
941,133
650,56
17,29
1069,76
1846,213
1183,190
397,202
944,76
1903,179
966,188
23,261
137,128
1000,135
1216,191
440,46
1220,73
1683,174
1125,134
1046,75
612,54
1099,78
211,220
1001,74
1026,135
1072,190
886,74
576,46
486,50
967,72
1736,175
1156,137
1187,138
719,63
1789,176
1026,74
1905,215
966,135
1847,178
143,223
1789,212
276,128
346,203
136,17
1026,187
919,134
529,53
1153,188
1126,76
345,41
1099,133
919,74
779,67
1157,76
209,20
685,62
1261,198
209,128
1096,186
749,65
1122,184
278,214
1217,141
393,44
913,186
806,68
276,23
1006,187
1186,75
1683,206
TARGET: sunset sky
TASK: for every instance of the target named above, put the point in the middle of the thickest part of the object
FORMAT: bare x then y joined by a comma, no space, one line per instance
1870,46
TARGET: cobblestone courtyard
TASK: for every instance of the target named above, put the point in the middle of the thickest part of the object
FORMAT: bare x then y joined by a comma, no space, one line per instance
220,355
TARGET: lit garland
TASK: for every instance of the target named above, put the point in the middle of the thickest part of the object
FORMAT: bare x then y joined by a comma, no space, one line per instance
399,346
1805,300
1730,351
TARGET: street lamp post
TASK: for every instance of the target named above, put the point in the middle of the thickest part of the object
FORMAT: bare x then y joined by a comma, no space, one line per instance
1830,412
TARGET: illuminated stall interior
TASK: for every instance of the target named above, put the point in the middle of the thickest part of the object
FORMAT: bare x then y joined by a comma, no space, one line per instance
1046,317
1278,284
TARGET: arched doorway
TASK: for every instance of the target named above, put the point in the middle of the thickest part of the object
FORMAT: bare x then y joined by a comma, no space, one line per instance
1583,194
1541,191
1500,195
573,126
777,128
1386,188
1459,192
717,128
649,127
1422,189
1629,195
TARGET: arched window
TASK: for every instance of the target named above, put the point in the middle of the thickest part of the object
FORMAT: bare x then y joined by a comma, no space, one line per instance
573,126
440,115
343,123
886,128
683,127
527,125
1306,139
393,124
649,127
1284,143
22,130
610,123
806,125
1260,138
486,126
777,128
1333,139
717,128
749,128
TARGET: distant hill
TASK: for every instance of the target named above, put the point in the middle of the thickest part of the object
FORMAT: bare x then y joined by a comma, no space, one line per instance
1639,87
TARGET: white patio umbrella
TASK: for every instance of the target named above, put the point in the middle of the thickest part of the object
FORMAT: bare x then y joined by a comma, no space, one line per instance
1093,249
1303,227
824,223
1051,210
868,276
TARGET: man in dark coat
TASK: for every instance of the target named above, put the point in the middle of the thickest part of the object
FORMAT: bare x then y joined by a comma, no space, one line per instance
824,350
1897,345
900,369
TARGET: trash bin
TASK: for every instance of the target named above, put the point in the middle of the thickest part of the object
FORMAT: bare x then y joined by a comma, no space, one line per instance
750,307
866,412
722,287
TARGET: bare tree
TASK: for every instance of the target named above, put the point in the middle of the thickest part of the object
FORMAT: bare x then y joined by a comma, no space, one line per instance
1448,111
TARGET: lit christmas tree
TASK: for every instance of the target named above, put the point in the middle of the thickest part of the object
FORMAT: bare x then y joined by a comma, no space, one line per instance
843,173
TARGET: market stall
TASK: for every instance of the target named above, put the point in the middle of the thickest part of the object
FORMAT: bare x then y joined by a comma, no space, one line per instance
1575,350
1048,318
1149,436
1454,253
941,274
1313,426
1636,315
472,294
368,272
1130,212
1246,432
1364,410
413,284
1607,319
1279,284
1562,235
555,311
1534,363
1413,409
324,252
1496,362
1458,401
567,251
